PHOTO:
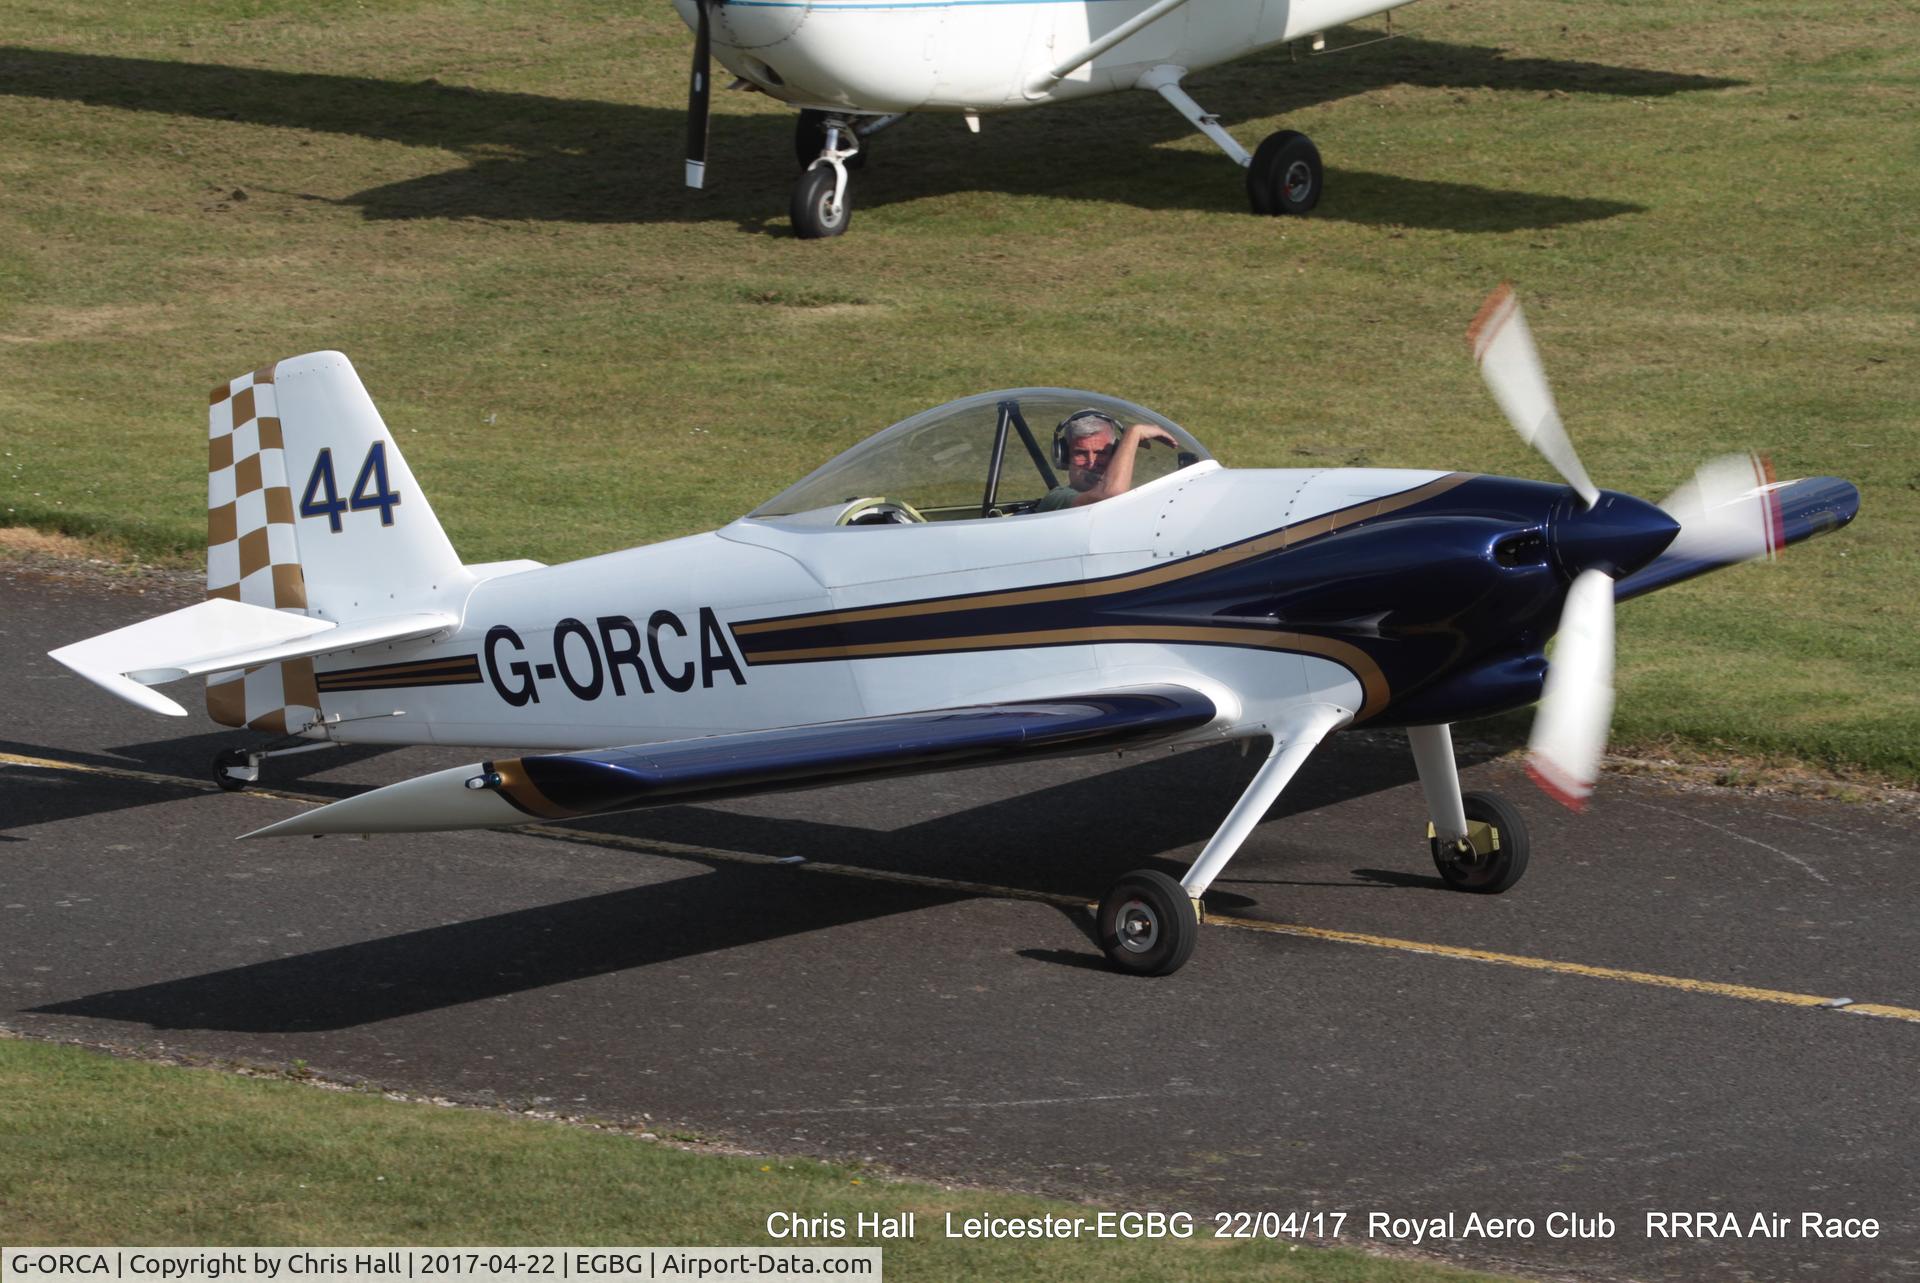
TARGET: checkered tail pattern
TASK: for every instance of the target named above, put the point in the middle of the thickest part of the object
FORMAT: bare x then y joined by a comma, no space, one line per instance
252,555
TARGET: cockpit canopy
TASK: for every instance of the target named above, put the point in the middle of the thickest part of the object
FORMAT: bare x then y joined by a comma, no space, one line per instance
992,455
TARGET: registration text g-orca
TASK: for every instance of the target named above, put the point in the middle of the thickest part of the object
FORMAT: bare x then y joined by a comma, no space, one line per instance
613,655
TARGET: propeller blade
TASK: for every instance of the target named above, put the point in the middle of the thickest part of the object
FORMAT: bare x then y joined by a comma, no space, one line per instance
1503,349
1570,730
1729,511
697,95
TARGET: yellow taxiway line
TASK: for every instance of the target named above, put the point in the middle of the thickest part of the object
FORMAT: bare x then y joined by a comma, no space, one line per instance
1713,988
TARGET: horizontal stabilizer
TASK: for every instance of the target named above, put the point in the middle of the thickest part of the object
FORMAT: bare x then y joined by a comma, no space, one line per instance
217,636
562,786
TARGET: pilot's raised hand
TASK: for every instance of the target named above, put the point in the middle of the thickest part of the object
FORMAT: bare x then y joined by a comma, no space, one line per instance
1140,434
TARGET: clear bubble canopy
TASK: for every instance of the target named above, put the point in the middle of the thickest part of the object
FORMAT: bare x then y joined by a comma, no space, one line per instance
991,455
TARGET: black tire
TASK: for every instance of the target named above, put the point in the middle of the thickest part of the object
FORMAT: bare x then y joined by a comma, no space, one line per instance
1286,175
810,137
1148,925
221,761
814,216
1493,873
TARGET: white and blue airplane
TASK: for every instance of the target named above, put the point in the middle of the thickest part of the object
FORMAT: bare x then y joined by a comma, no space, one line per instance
913,606
854,67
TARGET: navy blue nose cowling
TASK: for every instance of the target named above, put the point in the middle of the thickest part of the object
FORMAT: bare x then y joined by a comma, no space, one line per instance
1619,535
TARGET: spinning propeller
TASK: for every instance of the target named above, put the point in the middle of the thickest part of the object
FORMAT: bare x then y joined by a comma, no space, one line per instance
697,94
1728,512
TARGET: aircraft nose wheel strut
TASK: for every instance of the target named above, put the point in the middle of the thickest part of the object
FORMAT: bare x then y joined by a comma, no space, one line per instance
822,203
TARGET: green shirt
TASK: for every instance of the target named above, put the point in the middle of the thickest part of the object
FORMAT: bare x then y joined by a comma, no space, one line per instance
1057,498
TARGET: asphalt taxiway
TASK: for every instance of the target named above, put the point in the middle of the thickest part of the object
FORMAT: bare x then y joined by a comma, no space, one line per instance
1695,1001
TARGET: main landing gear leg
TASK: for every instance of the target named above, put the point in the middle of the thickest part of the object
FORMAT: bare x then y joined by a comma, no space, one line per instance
1284,174
1479,841
1148,922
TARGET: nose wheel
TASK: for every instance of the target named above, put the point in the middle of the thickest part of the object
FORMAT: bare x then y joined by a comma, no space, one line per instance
822,202
1492,856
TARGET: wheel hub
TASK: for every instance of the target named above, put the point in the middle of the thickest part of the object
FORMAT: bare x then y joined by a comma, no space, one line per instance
1139,927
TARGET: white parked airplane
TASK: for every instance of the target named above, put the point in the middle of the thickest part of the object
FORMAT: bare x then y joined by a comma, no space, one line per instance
914,606
856,66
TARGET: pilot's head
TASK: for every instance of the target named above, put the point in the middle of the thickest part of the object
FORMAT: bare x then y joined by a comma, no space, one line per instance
1086,441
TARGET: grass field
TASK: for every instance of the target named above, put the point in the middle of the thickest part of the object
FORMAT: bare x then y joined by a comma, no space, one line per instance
102,1151
1708,207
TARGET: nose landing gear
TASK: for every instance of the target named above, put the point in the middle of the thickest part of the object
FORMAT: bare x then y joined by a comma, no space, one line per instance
1479,842
829,147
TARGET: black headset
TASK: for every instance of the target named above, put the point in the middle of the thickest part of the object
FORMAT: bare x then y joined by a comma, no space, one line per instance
1060,432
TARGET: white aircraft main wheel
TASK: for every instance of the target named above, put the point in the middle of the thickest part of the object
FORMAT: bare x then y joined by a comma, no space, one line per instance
1285,176
1494,872
810,138
1147,924
814,213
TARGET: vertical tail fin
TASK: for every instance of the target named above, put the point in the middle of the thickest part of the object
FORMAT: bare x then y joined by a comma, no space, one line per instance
311,508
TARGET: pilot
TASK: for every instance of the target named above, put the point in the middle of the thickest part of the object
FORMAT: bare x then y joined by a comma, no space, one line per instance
1098,456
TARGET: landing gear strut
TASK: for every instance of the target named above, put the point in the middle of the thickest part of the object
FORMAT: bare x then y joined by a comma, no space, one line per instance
1283,177
1148,922
810,139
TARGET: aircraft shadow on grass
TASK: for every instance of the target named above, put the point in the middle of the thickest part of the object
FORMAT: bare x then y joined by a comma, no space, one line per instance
1062,839
535,157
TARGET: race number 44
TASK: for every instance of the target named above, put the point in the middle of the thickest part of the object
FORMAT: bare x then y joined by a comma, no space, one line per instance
371,489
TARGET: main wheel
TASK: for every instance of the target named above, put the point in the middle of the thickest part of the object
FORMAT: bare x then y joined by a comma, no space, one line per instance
1286,175
221,761
1491,872
1147,924
814,213
810,138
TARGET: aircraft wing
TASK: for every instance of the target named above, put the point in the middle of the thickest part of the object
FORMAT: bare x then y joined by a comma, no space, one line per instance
562,786
219,636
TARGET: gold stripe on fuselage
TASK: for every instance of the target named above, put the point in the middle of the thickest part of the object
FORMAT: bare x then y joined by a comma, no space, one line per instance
1272,541
1373,682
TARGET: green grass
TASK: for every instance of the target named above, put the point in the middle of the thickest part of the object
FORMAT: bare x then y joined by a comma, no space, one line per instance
104,1151
1707,207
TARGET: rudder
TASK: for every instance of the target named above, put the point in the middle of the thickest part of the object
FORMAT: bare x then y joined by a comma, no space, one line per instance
311,508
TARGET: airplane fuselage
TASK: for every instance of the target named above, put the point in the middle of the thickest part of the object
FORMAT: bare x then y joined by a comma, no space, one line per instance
944,55
1400,595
